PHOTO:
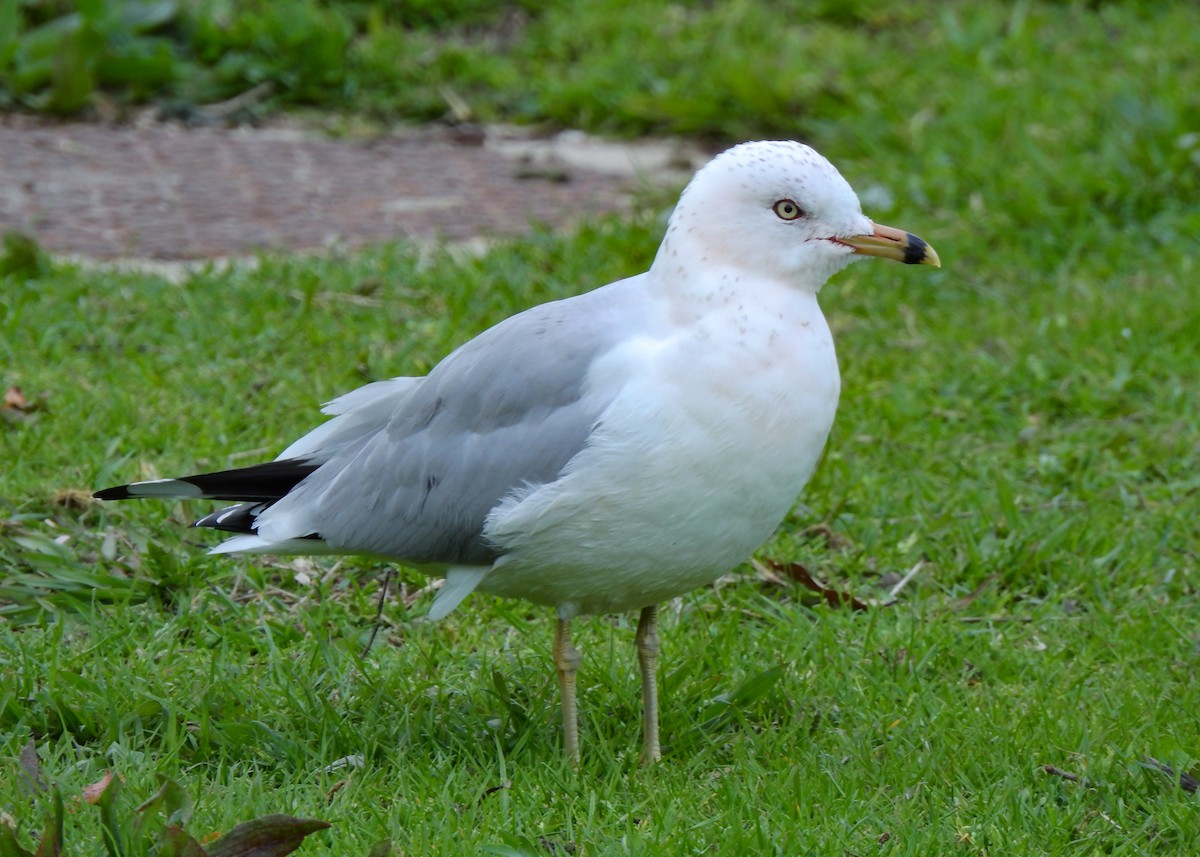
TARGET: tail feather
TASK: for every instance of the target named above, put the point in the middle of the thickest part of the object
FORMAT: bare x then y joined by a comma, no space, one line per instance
460,582
251,543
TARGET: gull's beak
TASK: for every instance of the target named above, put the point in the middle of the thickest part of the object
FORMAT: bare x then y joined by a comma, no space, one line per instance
888,243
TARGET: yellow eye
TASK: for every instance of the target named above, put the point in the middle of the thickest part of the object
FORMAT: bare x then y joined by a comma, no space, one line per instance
785,209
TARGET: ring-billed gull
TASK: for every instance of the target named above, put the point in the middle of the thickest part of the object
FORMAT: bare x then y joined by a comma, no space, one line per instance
601,453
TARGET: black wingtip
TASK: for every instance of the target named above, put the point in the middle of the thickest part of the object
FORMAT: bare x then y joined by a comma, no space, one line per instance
233,519
264,483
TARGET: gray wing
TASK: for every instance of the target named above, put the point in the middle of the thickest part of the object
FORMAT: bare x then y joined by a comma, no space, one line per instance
505,411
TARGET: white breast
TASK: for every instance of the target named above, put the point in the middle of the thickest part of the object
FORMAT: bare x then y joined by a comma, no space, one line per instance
717,425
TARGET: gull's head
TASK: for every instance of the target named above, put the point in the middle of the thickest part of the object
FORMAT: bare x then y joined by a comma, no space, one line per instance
779,210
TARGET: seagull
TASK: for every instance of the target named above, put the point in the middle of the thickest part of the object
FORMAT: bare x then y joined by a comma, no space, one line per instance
602,453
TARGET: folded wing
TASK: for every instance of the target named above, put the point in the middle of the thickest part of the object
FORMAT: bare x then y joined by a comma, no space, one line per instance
410,468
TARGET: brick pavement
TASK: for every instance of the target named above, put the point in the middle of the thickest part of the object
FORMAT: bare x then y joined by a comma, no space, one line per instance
158,191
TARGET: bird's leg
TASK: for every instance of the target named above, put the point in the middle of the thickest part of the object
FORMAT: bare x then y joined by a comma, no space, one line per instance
566,659
647,647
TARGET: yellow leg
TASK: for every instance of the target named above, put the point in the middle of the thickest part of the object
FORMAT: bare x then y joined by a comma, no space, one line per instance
566,659
647,647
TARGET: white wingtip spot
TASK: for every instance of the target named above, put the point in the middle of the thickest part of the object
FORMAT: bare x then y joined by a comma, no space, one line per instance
164,488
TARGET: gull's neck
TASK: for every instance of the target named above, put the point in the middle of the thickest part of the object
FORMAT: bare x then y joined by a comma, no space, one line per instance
707,276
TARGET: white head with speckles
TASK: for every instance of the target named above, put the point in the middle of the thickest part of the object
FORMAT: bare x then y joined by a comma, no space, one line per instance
779,210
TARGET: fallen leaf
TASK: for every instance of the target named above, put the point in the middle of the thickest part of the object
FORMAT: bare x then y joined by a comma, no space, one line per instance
269,836
797,572
16,408
95,792
75,499
31,769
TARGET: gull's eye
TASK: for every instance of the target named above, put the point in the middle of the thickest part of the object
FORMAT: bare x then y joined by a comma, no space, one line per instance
785,209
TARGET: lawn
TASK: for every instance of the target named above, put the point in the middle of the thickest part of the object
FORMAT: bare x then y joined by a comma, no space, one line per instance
1019,430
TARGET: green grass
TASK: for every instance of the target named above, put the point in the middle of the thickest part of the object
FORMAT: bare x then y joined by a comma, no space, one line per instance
1023,423
724,71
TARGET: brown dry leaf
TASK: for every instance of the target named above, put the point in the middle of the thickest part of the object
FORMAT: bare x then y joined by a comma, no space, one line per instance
795,571
93,793
765,574
16,408
75,499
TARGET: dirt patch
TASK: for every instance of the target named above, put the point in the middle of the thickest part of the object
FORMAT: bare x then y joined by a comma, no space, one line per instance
160,191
